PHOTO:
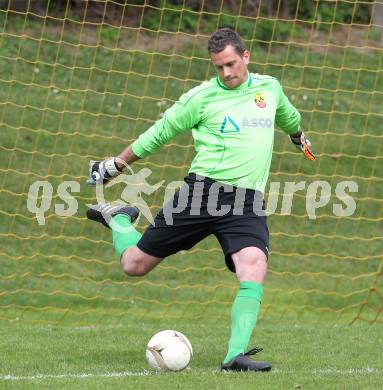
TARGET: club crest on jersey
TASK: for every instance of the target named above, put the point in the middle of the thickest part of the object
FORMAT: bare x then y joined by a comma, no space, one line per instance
260,100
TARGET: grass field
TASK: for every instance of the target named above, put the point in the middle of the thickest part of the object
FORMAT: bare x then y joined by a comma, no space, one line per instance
305,357
70,318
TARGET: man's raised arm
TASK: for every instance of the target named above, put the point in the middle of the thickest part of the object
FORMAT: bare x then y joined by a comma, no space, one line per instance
182,116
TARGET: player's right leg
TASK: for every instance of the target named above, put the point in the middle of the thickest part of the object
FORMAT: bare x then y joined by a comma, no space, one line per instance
119,218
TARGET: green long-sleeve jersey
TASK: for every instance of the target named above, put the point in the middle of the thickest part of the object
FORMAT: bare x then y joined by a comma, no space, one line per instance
233,129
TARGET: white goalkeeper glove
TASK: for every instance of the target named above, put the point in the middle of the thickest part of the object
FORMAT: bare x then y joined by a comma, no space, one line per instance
100,172
303,144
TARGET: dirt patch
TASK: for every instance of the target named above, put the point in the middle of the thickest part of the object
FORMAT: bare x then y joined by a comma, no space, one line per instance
357,38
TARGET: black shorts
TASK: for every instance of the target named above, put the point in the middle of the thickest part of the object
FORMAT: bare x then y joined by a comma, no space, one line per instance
202,207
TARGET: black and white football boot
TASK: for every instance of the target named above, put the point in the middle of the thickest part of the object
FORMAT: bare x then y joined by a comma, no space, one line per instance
242,362
103,212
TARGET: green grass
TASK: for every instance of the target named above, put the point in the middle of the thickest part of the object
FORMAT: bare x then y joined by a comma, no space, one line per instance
86,94
306,357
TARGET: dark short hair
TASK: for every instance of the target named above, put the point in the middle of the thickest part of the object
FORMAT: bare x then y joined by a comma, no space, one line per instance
225,37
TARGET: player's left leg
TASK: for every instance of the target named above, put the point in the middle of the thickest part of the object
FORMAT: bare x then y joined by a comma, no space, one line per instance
244,240
250,266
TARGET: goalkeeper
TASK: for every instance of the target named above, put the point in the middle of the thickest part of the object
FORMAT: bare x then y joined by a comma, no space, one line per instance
232,118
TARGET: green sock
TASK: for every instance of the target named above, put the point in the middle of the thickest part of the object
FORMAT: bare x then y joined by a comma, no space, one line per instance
124,235
244,317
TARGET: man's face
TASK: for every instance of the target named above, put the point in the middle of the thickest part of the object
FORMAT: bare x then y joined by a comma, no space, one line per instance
231,67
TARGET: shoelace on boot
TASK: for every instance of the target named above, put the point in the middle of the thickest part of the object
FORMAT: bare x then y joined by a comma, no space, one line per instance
254,351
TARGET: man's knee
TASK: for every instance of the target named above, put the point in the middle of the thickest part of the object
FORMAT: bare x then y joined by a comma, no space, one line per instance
250,264
133,268
132,265
134,262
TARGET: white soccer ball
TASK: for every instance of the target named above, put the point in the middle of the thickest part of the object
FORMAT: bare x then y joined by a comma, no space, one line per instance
169,350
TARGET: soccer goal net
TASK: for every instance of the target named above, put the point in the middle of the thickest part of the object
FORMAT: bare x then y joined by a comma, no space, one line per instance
80,80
